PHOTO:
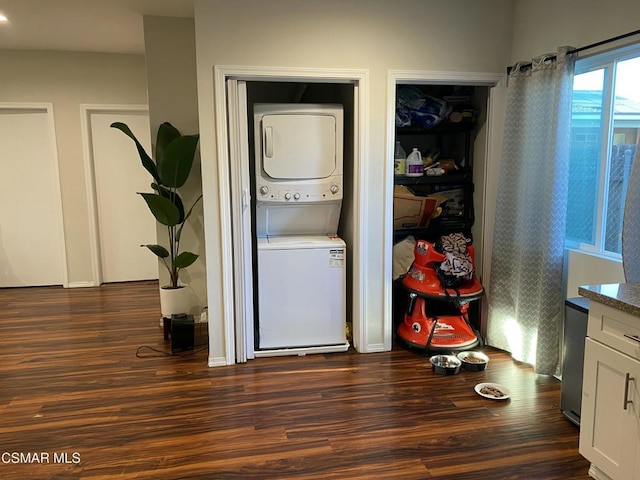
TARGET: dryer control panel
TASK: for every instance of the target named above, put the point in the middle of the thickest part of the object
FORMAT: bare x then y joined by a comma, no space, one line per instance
296,193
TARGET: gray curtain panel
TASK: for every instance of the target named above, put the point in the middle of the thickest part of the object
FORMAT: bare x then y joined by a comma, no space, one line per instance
631,226
526,291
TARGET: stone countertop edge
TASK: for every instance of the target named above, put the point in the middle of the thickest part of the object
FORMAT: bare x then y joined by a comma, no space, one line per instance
622,296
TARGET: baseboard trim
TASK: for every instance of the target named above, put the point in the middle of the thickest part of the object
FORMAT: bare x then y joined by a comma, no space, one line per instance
81,284
595,472
217,362
301,351
374,348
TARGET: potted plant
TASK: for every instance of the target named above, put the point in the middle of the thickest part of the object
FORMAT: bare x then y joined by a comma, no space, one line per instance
174,155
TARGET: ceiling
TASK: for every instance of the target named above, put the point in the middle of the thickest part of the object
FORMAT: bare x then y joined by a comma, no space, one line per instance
82,25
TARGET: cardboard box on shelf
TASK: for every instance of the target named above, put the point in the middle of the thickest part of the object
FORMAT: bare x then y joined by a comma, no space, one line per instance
411,211
452,197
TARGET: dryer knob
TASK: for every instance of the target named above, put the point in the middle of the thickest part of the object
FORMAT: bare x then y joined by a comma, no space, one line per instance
264,190
287,196
334,189
296,196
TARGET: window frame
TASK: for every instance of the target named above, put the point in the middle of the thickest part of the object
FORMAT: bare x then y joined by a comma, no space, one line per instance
606,61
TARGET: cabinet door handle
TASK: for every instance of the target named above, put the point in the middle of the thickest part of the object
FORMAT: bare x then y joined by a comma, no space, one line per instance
627,379
635,338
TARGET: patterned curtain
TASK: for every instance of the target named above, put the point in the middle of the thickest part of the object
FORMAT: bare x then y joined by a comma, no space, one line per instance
631,224
525,296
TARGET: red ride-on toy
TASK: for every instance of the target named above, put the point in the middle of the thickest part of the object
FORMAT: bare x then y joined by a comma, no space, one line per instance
436,318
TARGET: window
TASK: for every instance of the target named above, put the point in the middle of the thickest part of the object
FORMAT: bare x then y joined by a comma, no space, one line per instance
605,133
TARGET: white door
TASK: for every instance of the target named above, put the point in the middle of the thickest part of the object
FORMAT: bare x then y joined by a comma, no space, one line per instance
241,212
123,220
31,231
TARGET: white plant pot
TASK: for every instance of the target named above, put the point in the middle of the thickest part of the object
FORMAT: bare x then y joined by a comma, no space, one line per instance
175,301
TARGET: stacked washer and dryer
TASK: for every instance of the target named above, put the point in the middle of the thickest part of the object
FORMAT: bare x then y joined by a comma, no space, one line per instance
301,261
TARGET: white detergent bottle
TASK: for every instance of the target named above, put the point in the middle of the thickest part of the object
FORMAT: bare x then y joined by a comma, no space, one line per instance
415,167
399,160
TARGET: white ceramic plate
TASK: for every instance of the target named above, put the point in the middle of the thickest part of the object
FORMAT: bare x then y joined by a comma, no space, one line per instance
506,393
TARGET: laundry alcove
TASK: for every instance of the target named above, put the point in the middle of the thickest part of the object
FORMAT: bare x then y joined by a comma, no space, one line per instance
344,88
296,156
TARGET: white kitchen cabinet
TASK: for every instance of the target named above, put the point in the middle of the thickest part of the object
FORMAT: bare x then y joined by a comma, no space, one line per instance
610,421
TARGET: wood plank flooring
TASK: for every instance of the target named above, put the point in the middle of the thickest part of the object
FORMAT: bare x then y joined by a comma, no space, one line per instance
77,403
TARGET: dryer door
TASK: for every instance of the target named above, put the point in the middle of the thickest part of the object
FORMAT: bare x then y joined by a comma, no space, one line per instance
296,147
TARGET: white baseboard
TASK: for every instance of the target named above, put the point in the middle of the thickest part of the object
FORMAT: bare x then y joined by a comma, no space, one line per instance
374,348
280,352
81,284
217,362
595,472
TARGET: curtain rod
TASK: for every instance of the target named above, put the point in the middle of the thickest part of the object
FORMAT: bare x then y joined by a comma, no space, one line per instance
604,42
587,47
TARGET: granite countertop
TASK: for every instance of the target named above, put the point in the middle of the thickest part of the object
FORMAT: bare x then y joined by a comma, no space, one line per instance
623,296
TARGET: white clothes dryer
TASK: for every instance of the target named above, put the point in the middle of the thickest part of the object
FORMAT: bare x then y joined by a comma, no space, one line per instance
298,168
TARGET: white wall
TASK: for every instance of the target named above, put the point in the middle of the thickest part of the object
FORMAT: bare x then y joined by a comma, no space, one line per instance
68,79
170,54
584,269
541,26
426,35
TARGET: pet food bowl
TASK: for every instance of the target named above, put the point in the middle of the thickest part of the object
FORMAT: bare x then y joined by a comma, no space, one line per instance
445,364
473,361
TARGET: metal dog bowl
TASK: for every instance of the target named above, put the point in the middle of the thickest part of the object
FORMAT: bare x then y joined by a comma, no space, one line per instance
445,364
473,361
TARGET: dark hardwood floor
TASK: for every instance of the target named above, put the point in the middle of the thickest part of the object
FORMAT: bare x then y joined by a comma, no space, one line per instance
77,403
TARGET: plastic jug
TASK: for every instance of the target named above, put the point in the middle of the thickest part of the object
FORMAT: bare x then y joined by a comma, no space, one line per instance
399,160
415,168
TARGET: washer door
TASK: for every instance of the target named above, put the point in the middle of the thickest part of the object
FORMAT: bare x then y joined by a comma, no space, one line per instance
298,147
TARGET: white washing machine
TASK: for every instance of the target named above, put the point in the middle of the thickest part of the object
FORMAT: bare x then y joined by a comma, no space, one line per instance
301,262
301,285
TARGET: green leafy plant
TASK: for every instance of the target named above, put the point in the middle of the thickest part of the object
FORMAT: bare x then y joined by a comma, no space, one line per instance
170,170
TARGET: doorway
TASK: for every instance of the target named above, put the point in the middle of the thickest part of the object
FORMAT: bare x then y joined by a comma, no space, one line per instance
235,193
32,248
486,155
120,221
313,324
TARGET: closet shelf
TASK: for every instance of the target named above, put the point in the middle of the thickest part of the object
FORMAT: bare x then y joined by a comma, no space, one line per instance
443,128
449,179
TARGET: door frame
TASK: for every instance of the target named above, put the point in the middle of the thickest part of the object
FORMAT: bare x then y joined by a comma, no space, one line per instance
417,77
227,173
86,110
47,109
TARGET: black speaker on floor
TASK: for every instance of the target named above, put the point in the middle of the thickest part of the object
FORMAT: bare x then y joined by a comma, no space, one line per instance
182,333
